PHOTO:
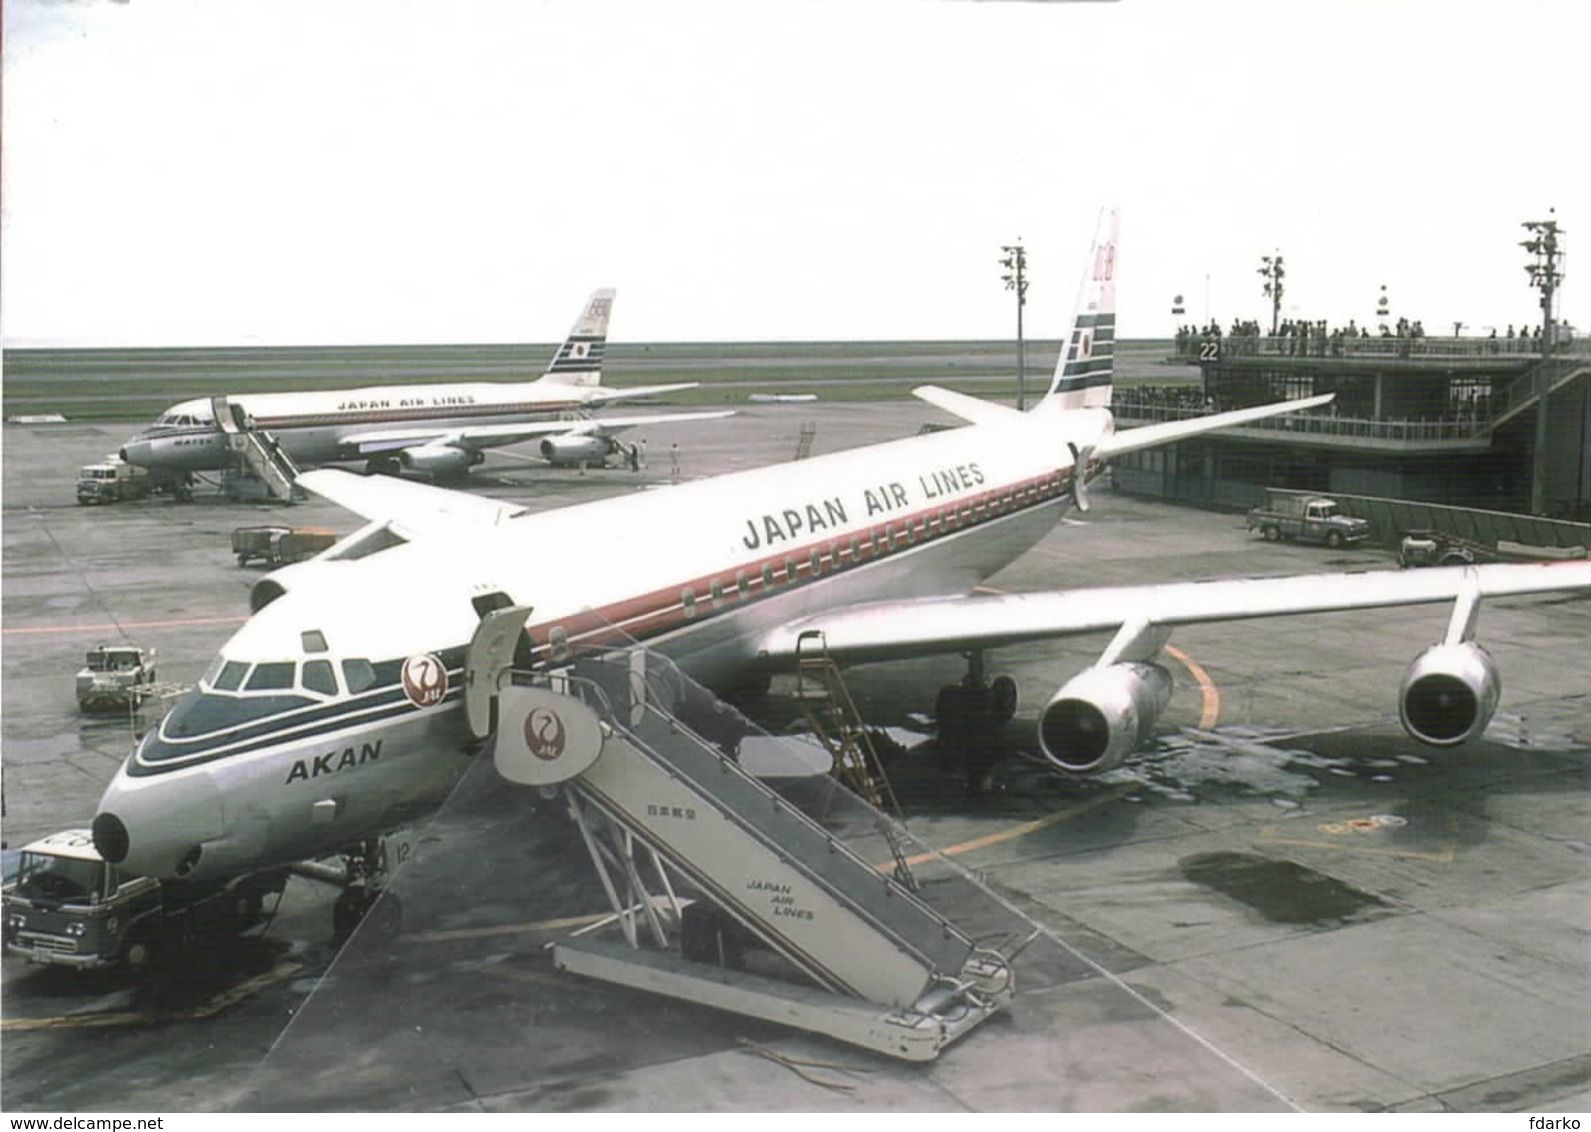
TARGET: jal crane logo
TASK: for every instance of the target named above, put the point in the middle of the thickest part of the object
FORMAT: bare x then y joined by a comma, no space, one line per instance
424,680
545,734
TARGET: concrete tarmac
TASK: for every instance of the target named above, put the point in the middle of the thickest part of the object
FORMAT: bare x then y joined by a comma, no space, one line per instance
1284,904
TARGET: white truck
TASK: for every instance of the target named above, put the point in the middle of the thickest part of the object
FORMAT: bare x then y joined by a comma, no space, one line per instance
115,676
111,481
1305,518
68,907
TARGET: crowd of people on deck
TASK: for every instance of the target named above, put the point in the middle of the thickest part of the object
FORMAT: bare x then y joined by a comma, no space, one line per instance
1305,338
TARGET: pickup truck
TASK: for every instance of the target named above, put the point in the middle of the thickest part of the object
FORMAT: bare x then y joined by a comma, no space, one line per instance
68,907
1307,519
279,545
115,676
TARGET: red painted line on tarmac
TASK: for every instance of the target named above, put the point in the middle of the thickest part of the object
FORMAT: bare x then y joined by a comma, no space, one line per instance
102,629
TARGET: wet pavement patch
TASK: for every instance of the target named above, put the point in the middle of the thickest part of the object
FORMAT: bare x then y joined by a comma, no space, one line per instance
1281,891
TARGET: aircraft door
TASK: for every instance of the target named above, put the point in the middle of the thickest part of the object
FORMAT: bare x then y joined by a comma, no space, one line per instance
491,654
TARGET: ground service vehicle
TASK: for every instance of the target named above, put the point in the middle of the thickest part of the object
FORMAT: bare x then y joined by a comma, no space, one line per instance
1436,548
111,481
279,545
1305,518
69,907
115,676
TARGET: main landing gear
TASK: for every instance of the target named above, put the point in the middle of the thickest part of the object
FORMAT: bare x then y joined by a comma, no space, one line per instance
971,715
367,869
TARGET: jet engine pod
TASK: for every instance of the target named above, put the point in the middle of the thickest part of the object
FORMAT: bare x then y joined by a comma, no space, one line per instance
1449,694
439,459
575,449
1102,715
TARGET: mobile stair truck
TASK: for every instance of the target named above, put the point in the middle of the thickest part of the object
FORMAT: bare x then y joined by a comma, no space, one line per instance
846,944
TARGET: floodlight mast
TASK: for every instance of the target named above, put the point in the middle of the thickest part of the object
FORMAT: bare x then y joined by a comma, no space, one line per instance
1545,272
1545,275
1273,271
1015,262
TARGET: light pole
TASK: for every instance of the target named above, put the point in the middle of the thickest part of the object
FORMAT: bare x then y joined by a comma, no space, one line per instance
1544,275
1015,262
1273,271
1544,272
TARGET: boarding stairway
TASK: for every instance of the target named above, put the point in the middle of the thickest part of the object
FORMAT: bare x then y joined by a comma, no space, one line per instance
831,713
840,946
257,452
1543,380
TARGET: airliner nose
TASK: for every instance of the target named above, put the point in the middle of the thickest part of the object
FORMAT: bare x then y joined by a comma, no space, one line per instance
158,825
110,837
135,452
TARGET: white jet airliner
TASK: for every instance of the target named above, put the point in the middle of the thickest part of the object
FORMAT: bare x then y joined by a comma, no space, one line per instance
337,711
440,430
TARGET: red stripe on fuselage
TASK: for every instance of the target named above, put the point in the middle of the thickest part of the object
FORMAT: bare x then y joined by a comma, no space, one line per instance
659,611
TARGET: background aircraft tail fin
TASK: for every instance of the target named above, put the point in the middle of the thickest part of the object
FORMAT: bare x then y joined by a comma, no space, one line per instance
579,360
1085,369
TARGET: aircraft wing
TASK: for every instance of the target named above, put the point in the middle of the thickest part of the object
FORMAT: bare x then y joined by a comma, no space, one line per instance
973,409
905,628
496,435
1150,436
411,508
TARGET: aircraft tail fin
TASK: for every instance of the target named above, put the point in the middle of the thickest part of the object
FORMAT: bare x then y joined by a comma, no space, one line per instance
579,360
1085,370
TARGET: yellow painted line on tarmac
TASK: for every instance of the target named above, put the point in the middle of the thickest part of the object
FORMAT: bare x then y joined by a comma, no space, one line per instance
35,630
1211,696
1014,831
197,1013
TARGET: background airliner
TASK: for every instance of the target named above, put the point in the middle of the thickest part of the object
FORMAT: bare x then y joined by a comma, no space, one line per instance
441,430
337,711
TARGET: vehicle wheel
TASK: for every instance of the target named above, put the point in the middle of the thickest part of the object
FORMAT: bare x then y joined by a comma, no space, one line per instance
139,954
1270,533
1334,540
1457,558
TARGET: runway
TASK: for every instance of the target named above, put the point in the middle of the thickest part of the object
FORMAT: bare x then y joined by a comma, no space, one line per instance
1284,905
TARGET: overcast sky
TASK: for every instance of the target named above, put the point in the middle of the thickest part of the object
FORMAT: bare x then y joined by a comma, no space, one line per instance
296,171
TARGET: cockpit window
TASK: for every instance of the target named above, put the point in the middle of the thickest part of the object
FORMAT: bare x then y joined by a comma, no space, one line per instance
359,674
319,677
198,713
227,676
271,677
313,640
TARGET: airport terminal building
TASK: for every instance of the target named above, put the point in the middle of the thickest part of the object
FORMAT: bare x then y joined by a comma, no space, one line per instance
1470,422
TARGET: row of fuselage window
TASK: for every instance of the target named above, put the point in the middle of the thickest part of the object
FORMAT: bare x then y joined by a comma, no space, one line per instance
878,541
359,674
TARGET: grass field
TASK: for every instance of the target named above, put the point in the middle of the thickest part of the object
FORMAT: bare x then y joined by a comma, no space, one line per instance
136,384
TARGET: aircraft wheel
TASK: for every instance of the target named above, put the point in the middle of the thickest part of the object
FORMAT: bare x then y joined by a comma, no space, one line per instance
385,917
951,713
350,908
1002,699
